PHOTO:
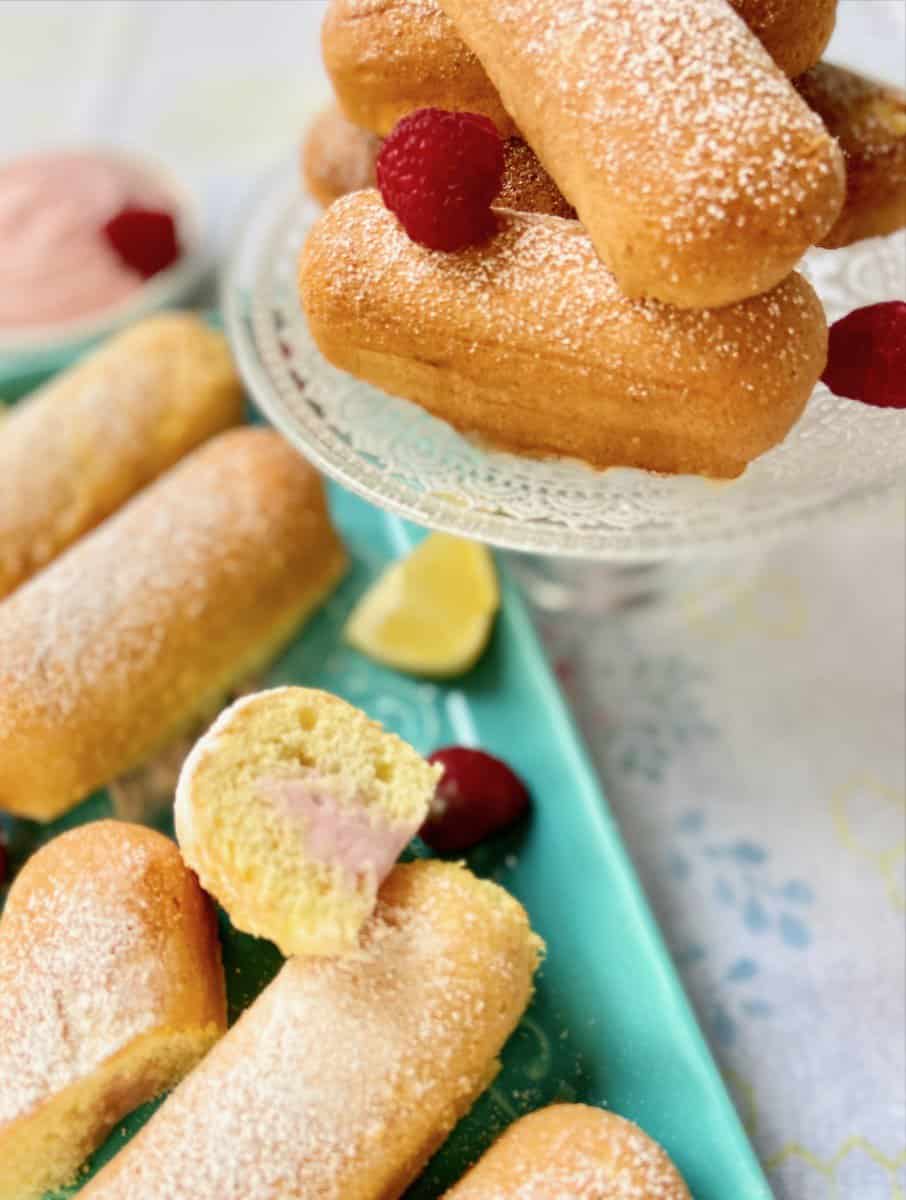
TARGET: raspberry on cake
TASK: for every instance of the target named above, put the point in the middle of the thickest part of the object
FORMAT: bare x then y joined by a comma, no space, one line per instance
439,172
338,158
867,118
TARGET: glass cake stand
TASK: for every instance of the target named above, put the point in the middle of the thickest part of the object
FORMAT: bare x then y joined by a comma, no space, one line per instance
645,532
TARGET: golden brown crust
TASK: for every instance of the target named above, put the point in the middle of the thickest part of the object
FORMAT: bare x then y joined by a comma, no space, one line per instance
80,447
111,987
388,57
528,342
699,173
119,643
868,119
576,1151
794,32
347,1073
338,158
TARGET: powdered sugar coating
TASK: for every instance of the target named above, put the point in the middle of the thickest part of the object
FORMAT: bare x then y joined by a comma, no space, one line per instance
584,1178
75,645
573,1152
81,969
648,1176
669,86
587,1180
160,608
401,20
699,173
390,56
345,1073
148,396
387,58
584,315
528,342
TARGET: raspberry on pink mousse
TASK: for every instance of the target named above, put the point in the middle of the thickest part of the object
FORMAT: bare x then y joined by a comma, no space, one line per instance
144,238
438,172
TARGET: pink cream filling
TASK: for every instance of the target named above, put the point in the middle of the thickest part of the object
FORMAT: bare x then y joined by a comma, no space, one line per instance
55,263
358,841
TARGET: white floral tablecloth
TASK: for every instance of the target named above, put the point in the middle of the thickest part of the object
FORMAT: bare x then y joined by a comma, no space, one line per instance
754,753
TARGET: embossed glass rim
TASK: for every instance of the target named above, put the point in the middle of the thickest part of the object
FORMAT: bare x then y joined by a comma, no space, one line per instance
849,455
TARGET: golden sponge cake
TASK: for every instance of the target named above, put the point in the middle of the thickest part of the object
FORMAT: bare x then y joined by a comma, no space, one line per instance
346,1074
78,448
293,808
572,1152
868,119
339,158
389,57
699,173
146,623
111,989
528,342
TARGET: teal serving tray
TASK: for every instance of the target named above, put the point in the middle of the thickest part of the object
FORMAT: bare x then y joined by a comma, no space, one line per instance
610,1024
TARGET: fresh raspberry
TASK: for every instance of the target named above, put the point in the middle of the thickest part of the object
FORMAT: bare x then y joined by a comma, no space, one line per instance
867,355
477,796
438,172
144,238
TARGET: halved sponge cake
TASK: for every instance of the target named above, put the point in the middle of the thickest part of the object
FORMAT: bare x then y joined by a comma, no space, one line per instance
293,808
111,990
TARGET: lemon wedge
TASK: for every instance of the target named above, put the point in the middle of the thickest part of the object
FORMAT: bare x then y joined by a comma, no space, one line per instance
432,612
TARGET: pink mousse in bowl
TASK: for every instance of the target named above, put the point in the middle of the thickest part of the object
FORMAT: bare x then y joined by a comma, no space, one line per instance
84,236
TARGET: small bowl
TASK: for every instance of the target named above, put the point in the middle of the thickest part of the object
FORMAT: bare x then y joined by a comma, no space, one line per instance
37,349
